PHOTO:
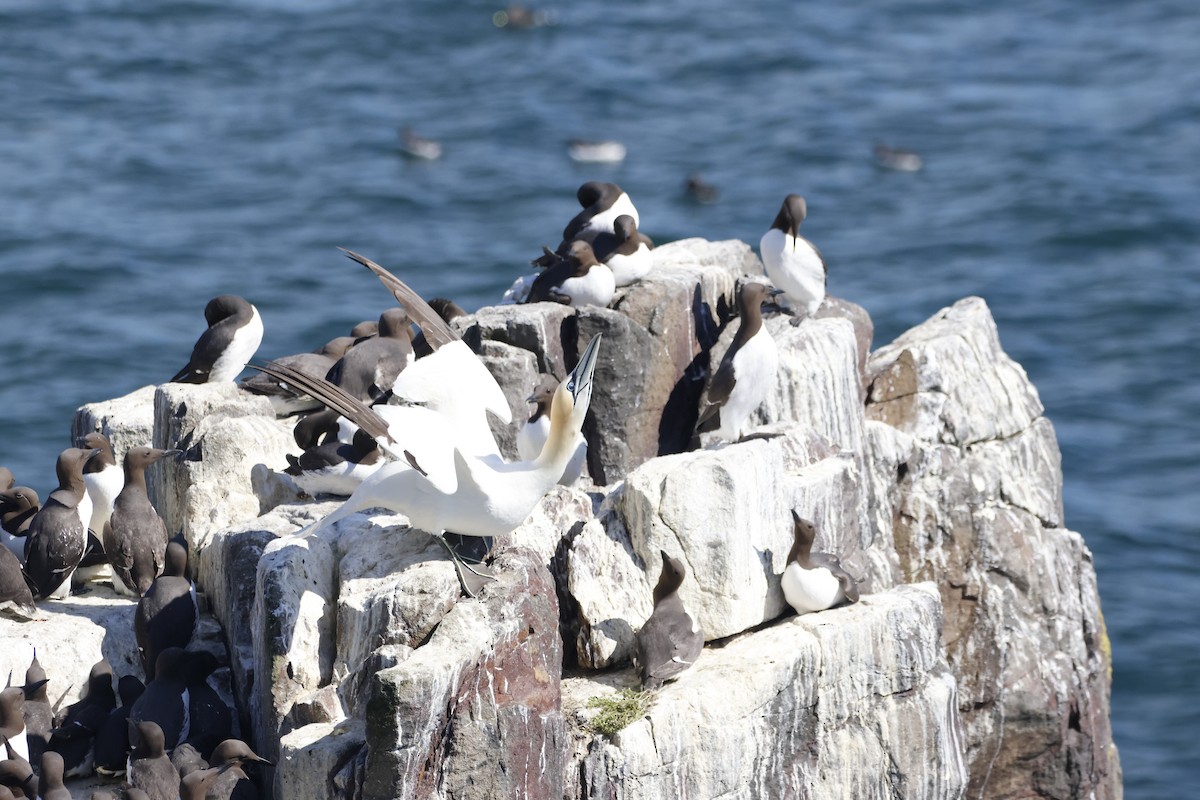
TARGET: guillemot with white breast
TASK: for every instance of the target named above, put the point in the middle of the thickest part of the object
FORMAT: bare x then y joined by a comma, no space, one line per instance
747,371
57,535
814,581
235,331
793,264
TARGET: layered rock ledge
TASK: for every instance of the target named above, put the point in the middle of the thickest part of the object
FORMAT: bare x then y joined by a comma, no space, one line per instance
976,665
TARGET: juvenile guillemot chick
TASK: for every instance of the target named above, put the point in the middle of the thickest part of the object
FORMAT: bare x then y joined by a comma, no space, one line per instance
103,478
75,736
235,331
576,280
793,264
50,780
18,506
814,581
135,537
167,614
150,769
12,720
670,641
625,251
747,371
532,436
370,367
58,533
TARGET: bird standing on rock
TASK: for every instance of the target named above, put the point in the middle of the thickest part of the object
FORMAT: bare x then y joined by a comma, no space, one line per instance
437,477
577,280
670,641
103,477
814,581
235,331
747,371
167,613
150,769
135,537
625,251
18,506
74,738
532,436
58,533
793,264
39,716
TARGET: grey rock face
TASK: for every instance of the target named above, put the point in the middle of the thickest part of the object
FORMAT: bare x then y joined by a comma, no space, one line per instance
224,433
977,507
851,702
475,712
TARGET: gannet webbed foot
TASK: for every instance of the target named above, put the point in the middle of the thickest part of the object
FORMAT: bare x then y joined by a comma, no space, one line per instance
467,554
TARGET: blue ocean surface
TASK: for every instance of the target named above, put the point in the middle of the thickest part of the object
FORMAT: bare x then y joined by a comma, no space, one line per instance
154,155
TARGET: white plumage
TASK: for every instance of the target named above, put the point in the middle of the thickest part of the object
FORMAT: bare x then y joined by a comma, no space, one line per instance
791,261
241,349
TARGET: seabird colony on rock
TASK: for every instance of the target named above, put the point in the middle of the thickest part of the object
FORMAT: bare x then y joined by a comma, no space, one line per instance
389,420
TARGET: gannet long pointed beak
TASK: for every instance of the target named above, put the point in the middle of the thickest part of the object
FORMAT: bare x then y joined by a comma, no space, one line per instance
579,382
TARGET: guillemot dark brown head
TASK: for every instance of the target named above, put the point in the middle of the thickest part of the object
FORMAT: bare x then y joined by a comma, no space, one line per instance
791,214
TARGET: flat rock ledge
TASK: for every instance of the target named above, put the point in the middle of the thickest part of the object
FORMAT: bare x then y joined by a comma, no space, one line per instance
976,665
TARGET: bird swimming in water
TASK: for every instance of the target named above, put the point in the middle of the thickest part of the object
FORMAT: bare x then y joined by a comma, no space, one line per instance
793,264
814,581
437,477
898,159
670,641
747,371
588,151
235,331
418,147
700,190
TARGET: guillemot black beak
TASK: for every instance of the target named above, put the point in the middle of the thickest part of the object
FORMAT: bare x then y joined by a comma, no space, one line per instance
774,291
580,379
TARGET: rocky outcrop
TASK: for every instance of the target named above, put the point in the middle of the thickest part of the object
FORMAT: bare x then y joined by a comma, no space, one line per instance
977,507
854,702
976,664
